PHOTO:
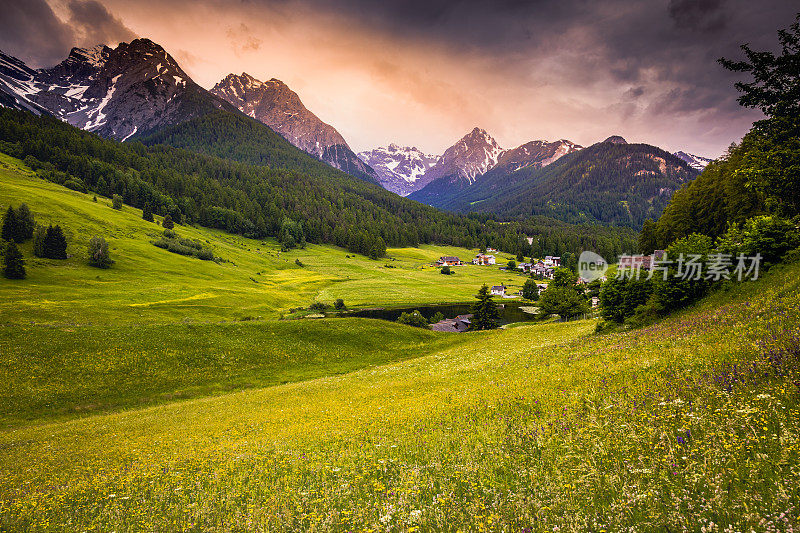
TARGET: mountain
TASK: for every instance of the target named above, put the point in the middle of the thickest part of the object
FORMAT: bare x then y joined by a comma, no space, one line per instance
17,84
130,90
611,182
399,168
276,105
477,154
695,161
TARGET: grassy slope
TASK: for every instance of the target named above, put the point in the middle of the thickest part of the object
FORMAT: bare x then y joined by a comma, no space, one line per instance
148,284
690,421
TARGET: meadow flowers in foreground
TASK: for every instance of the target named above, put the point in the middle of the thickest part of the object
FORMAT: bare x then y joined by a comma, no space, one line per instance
692,424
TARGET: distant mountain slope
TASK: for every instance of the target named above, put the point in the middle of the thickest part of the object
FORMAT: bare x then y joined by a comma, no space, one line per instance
16,85
274,104
119,93
697,162
474,155
399,168
611,182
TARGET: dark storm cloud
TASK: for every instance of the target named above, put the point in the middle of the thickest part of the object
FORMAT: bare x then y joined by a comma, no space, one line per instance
30,30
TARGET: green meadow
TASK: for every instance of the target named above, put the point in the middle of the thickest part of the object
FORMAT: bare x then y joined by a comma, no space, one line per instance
152,397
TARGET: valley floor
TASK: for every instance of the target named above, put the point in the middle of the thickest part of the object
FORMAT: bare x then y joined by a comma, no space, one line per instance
129,408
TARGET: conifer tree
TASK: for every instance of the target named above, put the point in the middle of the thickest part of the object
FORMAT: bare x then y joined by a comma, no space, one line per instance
13,264
55,244
147,212
10,225
39,237
168,223
484,311
25,223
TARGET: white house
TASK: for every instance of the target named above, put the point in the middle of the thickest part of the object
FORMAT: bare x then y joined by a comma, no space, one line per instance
482,259
499,290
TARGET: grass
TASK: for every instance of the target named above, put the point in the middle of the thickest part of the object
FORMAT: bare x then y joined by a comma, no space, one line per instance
151,285
137,403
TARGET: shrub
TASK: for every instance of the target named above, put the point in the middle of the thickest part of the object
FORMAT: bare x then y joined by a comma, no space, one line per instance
768,235
562,301
446,270
167,222
13,264
319,306
438,316
169,234
116,201
414,319
339,304
98,253
205,254
298,263
620,297
75,184
511,265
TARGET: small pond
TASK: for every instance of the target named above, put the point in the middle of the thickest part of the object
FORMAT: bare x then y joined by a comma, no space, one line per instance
509,312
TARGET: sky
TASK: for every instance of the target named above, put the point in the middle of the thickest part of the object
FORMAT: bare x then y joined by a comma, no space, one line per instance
425,72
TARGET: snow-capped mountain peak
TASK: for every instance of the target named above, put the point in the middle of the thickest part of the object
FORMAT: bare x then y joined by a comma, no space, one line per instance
695,161
399,167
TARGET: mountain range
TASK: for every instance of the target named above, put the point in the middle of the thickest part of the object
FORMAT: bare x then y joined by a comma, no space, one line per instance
137,91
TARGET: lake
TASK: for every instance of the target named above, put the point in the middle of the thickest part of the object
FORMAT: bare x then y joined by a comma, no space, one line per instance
509,312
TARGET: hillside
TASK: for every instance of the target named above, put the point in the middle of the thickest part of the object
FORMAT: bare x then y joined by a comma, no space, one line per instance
537,426
609,182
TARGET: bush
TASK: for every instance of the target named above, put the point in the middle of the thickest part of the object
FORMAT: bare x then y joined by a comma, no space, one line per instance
319,306
167,222
13,263
205,254
169,234
562,301
676,292
446,270
768,235
98,253
619,297
298,263
76,185
116,202
438,316
511,265
339,304
414,319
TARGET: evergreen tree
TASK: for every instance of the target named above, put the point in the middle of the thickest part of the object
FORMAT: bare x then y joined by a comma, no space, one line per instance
38,241
98,253
648,240
562,301
167,222
13,264
116,202
484,311
530,291
26,223
10,225
55,244
147,212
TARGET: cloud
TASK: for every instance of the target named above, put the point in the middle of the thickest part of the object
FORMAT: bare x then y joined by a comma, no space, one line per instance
31,31
242,39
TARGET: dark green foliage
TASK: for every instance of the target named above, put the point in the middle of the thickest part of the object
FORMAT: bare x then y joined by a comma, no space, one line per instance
299,263
253,200
339,304
116,201
319,306
564,277
167,222
562,301
99,255
676,291
530,291
177,245
413,318
147,212
438,316
511,265
39,236
10,225
75,184
484,311
520,257
620,296
768,235
13,263
648,239
446,270
291,235
54,245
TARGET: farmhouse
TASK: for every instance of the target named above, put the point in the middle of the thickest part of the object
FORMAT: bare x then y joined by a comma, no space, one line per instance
448,260
499,290
540,269
552,261
482,259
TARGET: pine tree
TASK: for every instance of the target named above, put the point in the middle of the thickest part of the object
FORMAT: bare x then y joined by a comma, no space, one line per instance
168,223
147,212
25,223
14,265
39,237
55,244
484,311
10,225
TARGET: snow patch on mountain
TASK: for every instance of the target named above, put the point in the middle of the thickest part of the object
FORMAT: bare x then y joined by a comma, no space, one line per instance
695,161
399,167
